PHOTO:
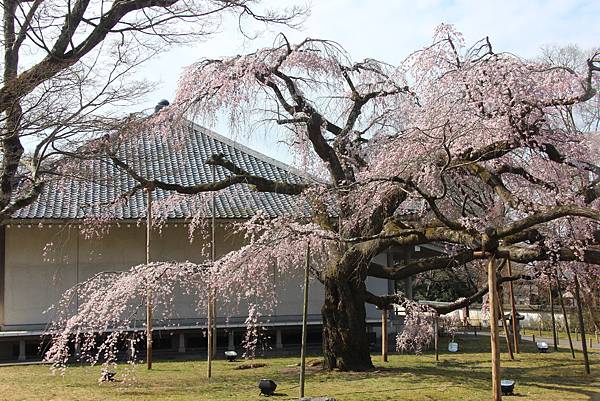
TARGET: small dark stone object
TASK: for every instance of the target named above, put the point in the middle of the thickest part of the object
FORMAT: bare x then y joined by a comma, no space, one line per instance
267,386
542,346
507,387
231,355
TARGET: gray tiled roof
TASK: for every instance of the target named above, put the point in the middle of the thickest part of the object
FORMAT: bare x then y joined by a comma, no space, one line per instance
180,162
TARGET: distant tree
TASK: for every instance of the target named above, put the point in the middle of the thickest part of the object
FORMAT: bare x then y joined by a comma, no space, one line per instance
443,286
457,146
581,117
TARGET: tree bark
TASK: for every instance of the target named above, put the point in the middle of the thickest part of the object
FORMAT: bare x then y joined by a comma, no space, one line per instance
345,340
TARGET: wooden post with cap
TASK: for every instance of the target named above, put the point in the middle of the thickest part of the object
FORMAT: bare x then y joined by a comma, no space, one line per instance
493,308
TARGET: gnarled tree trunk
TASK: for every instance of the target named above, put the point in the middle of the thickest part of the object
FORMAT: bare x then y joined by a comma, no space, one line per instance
345,340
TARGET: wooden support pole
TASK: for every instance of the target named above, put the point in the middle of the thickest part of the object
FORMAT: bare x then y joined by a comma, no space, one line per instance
210,325
384,335
564,311
149,307
214,324
436,336
513,311
304,323
496,391
504,326
551,300
209,335
586,360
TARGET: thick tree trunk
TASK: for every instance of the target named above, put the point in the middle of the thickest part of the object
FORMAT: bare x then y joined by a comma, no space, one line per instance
345,340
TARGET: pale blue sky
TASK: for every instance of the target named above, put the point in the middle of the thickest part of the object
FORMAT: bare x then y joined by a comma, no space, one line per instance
389,30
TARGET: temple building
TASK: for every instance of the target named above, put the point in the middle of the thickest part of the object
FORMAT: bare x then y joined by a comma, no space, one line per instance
46,247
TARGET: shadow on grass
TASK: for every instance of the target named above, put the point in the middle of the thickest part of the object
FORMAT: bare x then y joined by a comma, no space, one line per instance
550,372
592,395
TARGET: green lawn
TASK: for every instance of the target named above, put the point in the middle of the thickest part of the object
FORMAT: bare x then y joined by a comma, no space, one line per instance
462,376
561,334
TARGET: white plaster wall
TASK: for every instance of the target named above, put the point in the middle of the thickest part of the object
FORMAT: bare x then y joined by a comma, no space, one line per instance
36,274
35,278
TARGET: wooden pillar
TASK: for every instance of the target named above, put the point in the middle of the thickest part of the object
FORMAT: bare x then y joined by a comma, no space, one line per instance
131,348
149,305
586,360
436,337
493,307
551,300
278,339
181,345
304,323
513,311
564,311
384,335
231,340
22,350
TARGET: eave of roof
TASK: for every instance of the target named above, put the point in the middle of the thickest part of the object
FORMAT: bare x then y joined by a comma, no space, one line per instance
157,156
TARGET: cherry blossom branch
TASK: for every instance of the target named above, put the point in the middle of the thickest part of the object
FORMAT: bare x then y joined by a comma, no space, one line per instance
387,301
520,171
402,271
545,215
240,176
588,89
461,303
533,254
